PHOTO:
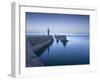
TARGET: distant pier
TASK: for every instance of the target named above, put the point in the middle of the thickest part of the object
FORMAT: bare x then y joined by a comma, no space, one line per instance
61,38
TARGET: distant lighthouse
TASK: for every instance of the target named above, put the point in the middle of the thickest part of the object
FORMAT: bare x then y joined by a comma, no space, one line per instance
48,32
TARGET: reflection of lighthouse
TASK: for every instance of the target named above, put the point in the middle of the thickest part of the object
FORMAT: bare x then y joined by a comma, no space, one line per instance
48,31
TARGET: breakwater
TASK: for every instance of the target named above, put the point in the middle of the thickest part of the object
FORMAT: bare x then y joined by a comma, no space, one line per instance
39,42
33,44
31,58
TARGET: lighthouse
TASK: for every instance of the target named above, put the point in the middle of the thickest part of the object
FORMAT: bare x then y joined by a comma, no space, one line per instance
48,32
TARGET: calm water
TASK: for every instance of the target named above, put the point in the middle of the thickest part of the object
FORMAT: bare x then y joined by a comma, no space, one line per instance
74,52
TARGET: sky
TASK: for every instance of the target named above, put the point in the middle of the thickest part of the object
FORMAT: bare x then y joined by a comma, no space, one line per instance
57,23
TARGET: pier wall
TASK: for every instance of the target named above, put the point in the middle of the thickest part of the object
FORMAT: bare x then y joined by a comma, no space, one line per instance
32,59
41,45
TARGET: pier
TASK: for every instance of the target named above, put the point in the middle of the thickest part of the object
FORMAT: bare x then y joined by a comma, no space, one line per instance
33,44
31,58
61,38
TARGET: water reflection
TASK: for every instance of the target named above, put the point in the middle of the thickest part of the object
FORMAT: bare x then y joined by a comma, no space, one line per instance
48,50
77,52
63,52
57,41
64,43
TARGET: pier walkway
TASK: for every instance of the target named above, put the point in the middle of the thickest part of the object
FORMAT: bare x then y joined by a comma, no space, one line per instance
31,58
